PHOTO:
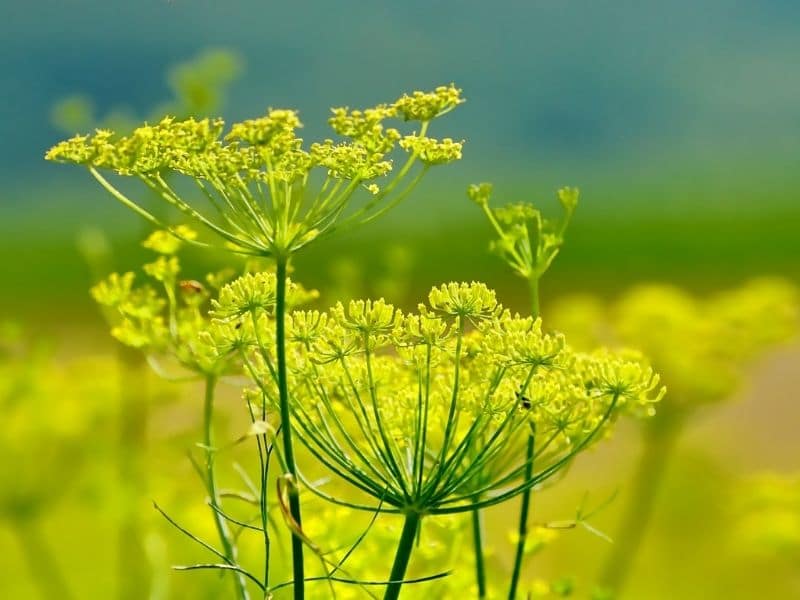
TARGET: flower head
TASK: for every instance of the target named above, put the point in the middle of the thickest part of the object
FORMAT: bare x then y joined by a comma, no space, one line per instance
424,106
275,130
468,300
169,242
367,317
258,178
431,151
256,293
437,414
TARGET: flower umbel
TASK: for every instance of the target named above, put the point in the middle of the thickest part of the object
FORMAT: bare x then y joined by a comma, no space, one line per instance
526,241
257,186
397,405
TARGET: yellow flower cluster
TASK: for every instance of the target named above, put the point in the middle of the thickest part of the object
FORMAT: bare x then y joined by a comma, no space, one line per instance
276,130
469,300
149,149
166,242
429,410
175,320
431,151
256,177
350,161
425,106
256,293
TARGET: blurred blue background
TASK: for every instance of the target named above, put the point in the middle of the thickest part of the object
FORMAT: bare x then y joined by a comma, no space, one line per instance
671,88
678,120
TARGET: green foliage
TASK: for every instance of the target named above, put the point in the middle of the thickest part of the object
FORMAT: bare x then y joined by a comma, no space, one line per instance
171,318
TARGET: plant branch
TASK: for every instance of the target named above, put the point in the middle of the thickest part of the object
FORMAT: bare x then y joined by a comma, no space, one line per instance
228,549
286,430
402,556
480,567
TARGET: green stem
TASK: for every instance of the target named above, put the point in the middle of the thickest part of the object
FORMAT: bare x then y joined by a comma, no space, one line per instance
402,556
286,426
659,443
44,568
228,549
525,505
480,568
533,286
522,531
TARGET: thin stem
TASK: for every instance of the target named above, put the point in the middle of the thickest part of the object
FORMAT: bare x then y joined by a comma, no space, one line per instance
220,567
438,474
224,533
525,504
537,478
129,203
393,464
522,532
45,571
659,443
286,429
364,210
402,556
264,452
480,568
533,286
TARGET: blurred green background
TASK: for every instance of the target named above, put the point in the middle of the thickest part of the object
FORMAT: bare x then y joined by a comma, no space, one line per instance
679,121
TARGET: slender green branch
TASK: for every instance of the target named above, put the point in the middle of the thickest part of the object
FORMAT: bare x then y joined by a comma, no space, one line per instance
393,463
160,225
228,549
190,535
402,556
451,414
525,504
480,568
221,567
522,531
286,429
515,473
362,583
130,203
264,450
397,199
533,286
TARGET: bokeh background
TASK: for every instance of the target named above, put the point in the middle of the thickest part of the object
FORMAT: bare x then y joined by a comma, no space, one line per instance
678,120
